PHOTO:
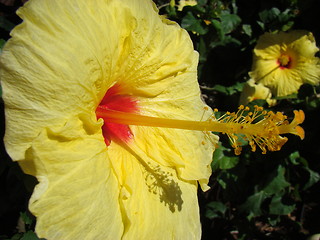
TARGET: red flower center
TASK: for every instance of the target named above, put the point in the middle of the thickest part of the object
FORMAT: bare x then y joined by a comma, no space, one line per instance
284,61
115,99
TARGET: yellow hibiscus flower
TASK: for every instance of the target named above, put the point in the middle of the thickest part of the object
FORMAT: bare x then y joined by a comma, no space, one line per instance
284,61
66,62
102,103
252,91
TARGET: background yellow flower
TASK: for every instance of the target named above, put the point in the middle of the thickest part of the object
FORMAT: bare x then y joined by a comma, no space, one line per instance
284,61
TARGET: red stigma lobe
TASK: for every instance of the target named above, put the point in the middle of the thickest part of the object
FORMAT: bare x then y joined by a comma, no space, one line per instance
115,99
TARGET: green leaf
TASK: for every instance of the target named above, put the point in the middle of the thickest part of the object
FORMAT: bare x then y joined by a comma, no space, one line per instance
285,16
30,235
192,24
237,87
247,29
314,104
215,209
26,219
274,220
221,160
227,178
197,8
171,11
287,26
295,159
228,162
216,24
277,207
222,183
229,22
253,204
261,24
277,181
314,177
267,16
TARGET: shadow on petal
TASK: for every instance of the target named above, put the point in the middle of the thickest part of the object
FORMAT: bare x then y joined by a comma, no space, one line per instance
160,182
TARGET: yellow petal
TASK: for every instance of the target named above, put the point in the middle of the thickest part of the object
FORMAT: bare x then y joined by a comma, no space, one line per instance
51,68
252,91
263,70
305,45
181,100
77,195
154,200
287,81
165,84
309,70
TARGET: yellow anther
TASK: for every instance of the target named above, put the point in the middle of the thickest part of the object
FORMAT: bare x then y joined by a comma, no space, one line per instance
298,116
265,132
237,150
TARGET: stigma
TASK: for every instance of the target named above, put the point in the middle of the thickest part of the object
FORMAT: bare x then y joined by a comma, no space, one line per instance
115,99
284,61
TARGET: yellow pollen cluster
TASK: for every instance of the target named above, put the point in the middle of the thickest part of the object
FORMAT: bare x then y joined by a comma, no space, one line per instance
260,128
